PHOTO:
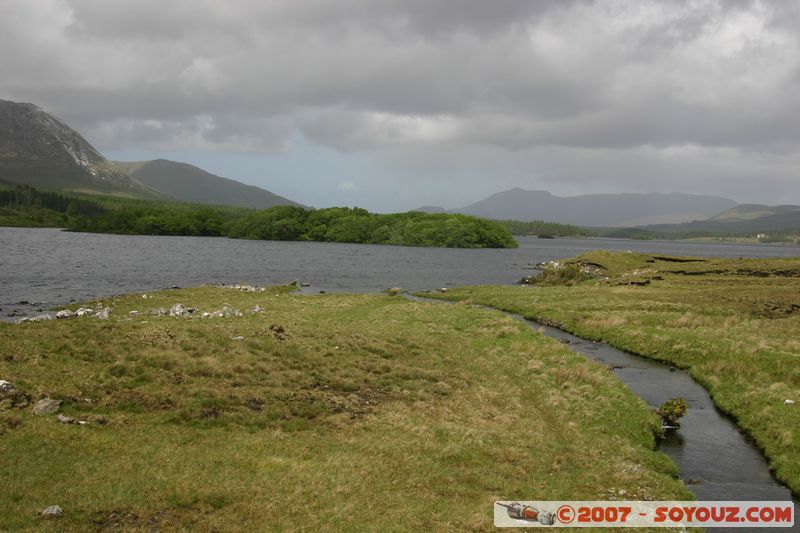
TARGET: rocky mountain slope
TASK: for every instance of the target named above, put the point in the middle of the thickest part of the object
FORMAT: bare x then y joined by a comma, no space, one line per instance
39,150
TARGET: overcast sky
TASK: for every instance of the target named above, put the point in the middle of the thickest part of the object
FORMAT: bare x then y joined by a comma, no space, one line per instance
395,104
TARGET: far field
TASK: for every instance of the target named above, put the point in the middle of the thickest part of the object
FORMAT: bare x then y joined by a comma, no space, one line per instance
334,412
735,324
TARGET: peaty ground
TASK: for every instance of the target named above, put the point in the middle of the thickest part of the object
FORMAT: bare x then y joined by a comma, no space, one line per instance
335,412
734,323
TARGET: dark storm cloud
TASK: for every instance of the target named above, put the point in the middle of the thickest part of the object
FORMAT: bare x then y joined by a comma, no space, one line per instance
363,76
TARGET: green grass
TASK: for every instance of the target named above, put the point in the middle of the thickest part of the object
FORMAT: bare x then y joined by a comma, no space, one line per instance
369,412
735,324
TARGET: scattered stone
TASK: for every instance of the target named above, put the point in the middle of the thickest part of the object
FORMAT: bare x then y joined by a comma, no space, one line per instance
38,318
245,288
46,406
322,292
64,313
69,420
145,296
305,284
133,313
23,302
158,312
238,338
83,311
294,283
178,310
257,309
788,402
225,312
103,313
11,397
54,511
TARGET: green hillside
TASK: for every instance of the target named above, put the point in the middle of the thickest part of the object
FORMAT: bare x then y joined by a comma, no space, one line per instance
189,183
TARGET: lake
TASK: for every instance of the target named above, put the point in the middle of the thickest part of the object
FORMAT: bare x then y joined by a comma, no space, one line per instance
48,267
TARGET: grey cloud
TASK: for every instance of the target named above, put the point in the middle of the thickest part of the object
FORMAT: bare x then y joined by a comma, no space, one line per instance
373,75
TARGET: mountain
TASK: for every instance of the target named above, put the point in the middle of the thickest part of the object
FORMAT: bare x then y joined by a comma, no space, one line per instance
39,150
745,218
753,212
629,209
189,183
431,209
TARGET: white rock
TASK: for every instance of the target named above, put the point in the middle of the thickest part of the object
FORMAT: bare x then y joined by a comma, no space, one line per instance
46,406
177,310
239,338
54,511
257,309
37,318
6,386
83,311
133,313
103,313
64,313
788,402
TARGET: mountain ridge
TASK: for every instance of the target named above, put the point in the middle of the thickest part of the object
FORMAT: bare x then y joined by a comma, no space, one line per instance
598,210
744,218
189,183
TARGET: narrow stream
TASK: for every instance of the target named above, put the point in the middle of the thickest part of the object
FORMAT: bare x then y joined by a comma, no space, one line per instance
715,459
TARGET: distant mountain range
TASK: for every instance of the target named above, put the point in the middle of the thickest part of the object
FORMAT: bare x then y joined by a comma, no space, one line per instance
189,183
39,150
623,210
744,218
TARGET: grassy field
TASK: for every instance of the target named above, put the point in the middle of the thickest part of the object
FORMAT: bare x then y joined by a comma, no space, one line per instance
335,412
735,324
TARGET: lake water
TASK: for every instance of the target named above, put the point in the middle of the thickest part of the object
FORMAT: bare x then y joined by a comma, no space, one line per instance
48,267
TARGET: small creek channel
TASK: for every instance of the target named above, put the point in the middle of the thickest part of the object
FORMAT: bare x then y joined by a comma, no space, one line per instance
716,460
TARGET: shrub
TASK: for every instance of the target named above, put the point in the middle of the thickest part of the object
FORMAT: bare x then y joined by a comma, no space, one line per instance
672,410
561,275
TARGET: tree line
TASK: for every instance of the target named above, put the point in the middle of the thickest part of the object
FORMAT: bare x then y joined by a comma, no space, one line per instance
96,214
